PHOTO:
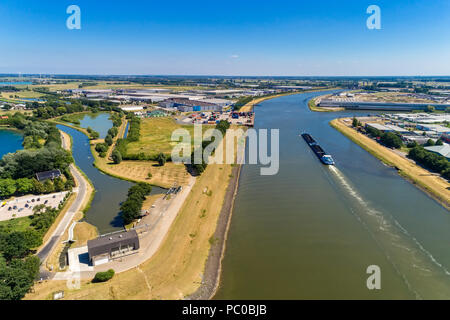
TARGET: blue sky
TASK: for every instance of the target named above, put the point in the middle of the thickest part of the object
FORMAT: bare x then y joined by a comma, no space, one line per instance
234,37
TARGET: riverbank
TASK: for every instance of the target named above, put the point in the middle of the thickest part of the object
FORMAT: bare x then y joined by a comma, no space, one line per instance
249,106
213,266
176,269
312,105
432,184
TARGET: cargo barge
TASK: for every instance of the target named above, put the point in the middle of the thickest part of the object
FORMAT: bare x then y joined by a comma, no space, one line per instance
320,153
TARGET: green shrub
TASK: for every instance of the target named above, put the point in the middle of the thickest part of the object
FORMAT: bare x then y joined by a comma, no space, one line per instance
104,276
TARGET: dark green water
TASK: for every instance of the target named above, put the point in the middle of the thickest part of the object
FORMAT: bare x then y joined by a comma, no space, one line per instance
104,212
10,141
311,231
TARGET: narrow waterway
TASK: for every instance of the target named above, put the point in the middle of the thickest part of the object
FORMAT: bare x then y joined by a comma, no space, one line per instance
311,231
104,212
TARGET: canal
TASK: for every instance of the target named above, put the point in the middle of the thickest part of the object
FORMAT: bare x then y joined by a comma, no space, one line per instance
311,231
104,212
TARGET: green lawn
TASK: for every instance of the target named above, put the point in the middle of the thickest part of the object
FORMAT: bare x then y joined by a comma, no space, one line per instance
156,134
19,224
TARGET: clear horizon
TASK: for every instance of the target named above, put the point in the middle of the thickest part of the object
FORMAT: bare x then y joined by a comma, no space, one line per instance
255,38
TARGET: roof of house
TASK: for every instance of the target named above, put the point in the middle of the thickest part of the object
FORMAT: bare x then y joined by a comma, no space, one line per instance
52,174
104,244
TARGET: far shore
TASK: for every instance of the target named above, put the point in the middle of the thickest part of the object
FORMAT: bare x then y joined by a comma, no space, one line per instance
312,105
249,106
434,185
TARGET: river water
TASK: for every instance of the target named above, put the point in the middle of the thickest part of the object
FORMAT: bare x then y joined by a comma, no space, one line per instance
311,231
10,141
104,212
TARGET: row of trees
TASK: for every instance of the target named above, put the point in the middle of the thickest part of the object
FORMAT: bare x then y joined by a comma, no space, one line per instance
134,131
10,187
131,208
389,139
222,126
430,160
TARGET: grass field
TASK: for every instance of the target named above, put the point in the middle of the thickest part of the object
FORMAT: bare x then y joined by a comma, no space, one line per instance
435,185
18,224
21,94
175,270
165,176
156,136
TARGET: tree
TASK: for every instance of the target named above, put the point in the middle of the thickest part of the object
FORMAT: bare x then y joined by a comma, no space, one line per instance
24,186
59,185
117,156
18,244
355,122
94,135
161,159
7,188
391,140
109,140
429,143
439,142
17,277
48,186
38,187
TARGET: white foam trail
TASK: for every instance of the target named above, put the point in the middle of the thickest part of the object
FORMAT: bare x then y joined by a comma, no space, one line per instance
416,253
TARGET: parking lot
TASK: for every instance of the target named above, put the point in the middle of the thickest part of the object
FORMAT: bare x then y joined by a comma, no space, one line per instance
23,206
211,118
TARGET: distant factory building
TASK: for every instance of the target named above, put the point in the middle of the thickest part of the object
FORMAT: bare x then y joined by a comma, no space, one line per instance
187,105
109,247
433,127
132,108
48,175
443,150
378,126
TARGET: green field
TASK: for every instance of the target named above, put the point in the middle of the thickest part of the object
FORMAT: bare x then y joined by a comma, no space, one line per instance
155,138
19,224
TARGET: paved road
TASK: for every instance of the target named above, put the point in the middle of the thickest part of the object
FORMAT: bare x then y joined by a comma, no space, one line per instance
81,193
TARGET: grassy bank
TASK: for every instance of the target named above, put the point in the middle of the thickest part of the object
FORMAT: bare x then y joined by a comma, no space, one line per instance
176,269
434,185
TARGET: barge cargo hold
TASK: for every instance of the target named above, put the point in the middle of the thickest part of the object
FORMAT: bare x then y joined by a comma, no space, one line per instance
320,153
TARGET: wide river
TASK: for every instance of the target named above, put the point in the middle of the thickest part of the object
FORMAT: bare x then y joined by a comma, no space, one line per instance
104,212
311,231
